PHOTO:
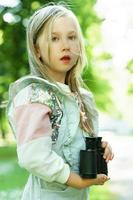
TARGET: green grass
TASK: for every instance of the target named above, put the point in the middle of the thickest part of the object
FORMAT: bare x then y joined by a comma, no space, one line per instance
13,178
8,152
11,175
101,193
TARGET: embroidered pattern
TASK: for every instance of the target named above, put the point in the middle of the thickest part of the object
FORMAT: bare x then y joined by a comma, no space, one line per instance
50,99
56,116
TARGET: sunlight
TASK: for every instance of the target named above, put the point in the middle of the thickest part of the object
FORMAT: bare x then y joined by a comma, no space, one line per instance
117,39
9,3
117,28
10,18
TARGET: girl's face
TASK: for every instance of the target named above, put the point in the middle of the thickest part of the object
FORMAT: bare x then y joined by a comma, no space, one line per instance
64,47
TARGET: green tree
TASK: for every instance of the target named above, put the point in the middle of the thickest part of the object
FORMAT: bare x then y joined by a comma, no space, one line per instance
130,69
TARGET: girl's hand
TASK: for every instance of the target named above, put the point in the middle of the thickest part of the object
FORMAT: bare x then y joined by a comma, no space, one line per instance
108,154
100,180
78,182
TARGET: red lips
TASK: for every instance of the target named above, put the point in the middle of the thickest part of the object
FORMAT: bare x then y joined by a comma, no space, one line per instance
66,57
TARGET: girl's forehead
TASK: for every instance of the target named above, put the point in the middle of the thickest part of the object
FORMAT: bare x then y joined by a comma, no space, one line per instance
63,24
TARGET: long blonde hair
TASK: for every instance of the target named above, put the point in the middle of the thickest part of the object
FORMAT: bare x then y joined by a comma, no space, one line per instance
43,18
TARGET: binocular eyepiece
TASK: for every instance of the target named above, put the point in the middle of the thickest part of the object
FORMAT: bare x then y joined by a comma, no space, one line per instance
91,159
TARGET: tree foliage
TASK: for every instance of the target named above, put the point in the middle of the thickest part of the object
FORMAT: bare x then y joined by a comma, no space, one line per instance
130,69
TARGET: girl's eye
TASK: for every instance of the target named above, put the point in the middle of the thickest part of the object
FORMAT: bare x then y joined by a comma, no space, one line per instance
73,37
55,38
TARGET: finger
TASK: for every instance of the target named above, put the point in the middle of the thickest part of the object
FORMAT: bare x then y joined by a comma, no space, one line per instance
109,157
108,152
103,179
106,178
104,144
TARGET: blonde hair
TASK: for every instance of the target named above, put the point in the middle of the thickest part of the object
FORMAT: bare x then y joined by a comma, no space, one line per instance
43,19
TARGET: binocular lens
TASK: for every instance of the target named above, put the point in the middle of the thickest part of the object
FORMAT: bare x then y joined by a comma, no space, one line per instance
88,163
91,159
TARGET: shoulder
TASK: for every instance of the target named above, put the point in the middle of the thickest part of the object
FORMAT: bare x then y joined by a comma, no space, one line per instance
29,89
25,82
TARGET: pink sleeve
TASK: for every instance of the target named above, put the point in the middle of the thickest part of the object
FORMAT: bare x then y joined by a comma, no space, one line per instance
32,122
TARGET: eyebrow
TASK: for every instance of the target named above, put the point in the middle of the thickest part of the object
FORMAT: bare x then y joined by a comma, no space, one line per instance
56,33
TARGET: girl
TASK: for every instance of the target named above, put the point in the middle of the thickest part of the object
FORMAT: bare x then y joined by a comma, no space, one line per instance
50,114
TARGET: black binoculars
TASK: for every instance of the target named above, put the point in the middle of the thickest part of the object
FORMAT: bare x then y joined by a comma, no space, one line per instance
91,159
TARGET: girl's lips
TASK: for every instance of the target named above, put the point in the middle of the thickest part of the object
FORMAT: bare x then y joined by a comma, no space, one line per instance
65,59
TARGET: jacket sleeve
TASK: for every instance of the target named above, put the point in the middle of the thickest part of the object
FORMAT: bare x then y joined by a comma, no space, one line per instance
33,134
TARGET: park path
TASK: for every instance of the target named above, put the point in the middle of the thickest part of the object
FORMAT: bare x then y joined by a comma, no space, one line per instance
121,168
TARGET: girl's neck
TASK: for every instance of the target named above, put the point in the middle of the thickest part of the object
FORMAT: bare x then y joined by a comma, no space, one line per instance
58,77
59,80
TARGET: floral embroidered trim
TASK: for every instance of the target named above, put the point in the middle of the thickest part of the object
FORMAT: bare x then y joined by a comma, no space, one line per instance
56,116
50,99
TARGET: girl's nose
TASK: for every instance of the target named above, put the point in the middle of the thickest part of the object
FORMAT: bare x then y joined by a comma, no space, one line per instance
65,45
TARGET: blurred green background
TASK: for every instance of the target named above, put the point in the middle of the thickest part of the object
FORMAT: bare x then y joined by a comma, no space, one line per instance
107,30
